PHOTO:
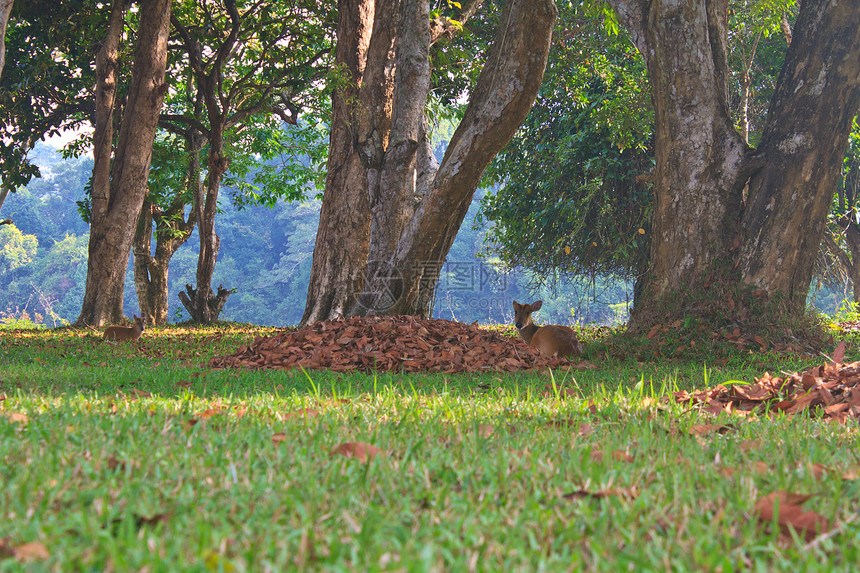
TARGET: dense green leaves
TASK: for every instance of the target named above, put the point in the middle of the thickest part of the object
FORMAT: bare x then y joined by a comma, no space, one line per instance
571,196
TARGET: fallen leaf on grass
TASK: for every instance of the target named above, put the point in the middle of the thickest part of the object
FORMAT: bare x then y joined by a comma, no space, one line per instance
628,493
184,384
303,413
705,429
617,455
363,452
485,430
189,423
18,418
278,438
585,430
32,551
786,507
213,411
839,352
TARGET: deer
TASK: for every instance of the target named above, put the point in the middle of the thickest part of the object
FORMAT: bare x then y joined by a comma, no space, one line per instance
550,339
117,333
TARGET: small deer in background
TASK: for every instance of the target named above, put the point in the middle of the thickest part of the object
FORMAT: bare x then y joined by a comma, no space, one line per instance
550,339
117,333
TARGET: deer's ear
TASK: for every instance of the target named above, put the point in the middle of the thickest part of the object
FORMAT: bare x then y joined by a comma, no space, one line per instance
536,305
516,305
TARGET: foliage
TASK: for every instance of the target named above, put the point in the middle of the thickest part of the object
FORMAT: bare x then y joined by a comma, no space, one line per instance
46,86
570,196
16,248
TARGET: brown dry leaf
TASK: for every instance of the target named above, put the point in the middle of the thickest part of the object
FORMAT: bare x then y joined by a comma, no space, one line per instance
790,514
839,352
303,413
617,455
139,393
278,438
32,551
628,493
585,430
213,411
818,471
747,445
183,384
705,429
18,418
363,452
485,430
189,423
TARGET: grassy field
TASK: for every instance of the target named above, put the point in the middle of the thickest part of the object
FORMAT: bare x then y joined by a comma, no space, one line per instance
136,457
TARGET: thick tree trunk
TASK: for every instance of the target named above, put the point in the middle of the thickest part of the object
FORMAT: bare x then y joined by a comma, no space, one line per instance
697,177
5,11
361,116
804,141
500,101
114,220
705,242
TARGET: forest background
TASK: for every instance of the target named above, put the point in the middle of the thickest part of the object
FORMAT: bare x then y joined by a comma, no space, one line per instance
266,251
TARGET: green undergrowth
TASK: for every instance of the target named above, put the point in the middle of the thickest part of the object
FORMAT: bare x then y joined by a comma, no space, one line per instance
136,456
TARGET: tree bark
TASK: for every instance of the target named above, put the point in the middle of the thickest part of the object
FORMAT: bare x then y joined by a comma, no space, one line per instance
698,179
112,229
361,115
5,12
707,240
502,97
151,269
804,140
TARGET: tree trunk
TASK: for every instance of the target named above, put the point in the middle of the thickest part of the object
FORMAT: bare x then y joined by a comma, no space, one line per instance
500,101
151,269
361,118
705,244
115,216
804,140
697,177
206,306
5,11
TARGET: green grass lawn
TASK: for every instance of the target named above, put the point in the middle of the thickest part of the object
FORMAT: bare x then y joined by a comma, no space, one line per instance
136,456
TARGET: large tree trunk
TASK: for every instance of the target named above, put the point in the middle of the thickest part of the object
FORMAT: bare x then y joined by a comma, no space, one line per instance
804,141
361,116
500,101
114,219
703,238
697,177
5,11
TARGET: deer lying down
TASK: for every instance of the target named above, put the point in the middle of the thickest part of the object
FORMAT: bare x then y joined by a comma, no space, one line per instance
550,339
117,333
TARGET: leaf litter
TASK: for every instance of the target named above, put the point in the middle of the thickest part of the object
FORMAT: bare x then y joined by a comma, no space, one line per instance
831,390
392,343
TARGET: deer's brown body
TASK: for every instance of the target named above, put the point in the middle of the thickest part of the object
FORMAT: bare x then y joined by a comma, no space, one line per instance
550,339
117,333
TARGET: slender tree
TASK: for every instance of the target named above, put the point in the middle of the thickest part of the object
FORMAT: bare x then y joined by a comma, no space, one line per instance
266,61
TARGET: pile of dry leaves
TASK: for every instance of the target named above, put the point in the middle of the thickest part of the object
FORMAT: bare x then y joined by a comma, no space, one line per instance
832,388
391,343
